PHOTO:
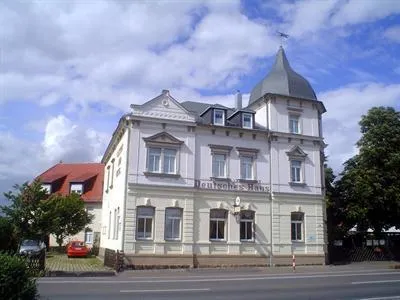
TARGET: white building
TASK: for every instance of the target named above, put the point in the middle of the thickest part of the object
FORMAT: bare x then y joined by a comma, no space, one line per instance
193,184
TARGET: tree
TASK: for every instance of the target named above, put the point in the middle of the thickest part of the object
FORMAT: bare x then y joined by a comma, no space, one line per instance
370,186
69,215
25,211
7,235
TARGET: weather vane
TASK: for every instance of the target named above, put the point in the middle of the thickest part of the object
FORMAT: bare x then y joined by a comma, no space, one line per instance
283,36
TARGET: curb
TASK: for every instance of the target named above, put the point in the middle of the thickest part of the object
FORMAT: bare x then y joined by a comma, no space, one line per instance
79,274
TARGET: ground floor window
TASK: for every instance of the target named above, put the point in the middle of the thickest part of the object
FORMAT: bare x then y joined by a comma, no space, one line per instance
88,237
145,217
173,220
297,221
217,224
246,225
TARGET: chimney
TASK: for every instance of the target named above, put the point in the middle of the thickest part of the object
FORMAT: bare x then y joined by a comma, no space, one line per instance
165,92
238,100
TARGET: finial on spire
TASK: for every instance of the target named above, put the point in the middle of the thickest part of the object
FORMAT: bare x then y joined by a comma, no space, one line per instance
283,36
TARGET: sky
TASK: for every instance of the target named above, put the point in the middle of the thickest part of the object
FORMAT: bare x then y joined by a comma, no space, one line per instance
70,69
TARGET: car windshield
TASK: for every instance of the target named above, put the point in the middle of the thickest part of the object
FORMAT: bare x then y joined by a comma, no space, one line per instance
78,244
30,243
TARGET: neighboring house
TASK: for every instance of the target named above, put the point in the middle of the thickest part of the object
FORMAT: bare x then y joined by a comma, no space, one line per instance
85,179
189,183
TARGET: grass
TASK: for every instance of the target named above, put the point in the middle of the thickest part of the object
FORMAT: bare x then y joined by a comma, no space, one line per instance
61,260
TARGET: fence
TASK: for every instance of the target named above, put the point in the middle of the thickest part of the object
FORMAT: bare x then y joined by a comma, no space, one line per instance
365,247
114,259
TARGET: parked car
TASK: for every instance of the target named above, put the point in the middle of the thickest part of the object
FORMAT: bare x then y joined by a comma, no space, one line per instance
32,247
77,248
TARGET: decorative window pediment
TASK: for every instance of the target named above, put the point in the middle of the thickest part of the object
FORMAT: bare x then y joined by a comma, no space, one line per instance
247,151
220,149
296,153
163,139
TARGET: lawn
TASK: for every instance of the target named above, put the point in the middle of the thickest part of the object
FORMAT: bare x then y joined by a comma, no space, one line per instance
60,262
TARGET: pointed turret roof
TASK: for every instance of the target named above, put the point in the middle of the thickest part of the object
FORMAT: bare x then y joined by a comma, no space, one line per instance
283,80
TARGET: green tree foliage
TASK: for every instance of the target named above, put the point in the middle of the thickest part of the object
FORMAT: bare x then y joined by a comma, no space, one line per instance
69,216
16,282
34,214
370,185
25,211
7,237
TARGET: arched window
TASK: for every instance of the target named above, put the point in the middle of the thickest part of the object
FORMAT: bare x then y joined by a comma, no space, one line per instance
246,225
217,224
297,223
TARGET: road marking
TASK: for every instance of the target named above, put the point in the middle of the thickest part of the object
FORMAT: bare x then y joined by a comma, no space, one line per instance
375,281
162,291
219,279
382,298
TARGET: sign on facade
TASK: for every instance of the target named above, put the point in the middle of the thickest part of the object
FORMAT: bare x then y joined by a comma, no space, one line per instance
231,186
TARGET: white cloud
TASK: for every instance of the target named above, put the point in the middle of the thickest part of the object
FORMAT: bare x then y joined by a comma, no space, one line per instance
345,106
393,33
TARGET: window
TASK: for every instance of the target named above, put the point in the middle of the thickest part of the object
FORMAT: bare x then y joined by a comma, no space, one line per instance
77,188
112,173
47,188
115,225
246,167
247,121
173,219
297,220
88,237
145,216
295,170
162,160
219,165
217,224
246,225
118,223
109,225
219,117
294,125
108,178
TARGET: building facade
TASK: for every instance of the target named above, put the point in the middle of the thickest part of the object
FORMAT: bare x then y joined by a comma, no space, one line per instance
85,179
194,184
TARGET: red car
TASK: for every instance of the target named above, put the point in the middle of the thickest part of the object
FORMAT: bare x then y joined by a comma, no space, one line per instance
77,248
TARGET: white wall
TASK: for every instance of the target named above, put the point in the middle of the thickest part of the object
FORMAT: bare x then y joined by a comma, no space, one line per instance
114,197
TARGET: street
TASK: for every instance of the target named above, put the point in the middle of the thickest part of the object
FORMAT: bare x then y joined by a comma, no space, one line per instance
250,284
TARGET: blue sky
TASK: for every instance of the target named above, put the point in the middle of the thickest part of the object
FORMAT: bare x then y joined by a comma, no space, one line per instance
69,69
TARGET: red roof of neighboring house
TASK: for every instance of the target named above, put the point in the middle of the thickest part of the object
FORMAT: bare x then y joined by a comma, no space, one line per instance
61,175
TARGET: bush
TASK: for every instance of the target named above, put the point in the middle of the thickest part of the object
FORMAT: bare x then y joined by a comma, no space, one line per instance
8,242
15,279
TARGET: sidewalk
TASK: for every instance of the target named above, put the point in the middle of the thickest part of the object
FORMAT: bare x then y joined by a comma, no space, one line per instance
60,265
353,267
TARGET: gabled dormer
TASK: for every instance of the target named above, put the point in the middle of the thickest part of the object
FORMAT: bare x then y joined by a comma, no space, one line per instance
215,114
243,118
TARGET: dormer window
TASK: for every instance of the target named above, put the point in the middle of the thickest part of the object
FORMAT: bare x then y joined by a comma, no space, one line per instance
247,120
219,117
76,188
47,187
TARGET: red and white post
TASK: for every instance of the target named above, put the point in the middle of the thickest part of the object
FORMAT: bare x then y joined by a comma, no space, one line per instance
294,262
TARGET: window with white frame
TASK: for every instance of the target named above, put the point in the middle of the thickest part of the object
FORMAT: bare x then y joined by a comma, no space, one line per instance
145,219
76,188
295,171
108,178
297,222
247,120
294,123
173,221
115,225
218,218
162,160
219,165
112,173
118,223
219,117
246,225
88,237
109,225
246,167
47,188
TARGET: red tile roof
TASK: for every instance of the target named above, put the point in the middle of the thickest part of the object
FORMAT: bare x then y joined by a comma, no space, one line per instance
61,175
